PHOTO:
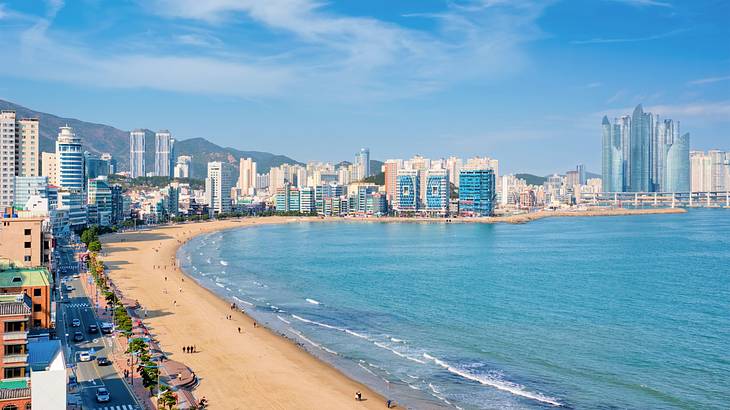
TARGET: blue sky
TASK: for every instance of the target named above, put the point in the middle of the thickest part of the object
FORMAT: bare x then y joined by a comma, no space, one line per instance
523,81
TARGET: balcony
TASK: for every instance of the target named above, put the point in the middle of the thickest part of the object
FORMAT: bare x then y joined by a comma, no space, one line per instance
15,336
15,358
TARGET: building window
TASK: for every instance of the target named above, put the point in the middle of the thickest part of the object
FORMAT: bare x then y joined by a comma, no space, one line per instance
37,292
36,323
27,258
37,307
27,232
13,373
14,327
27,245
11,407
14,349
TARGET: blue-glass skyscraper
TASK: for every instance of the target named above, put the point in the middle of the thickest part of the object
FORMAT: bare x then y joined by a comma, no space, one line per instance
476,192
437,191
409,190
677,166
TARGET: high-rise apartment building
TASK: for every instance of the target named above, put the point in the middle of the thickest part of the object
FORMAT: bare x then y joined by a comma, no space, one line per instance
164,153
247,176
136,153
19,139
710,172
636,154
182,167
477,192
390,172
218,187
409,190
70,176
49,167
437,191
362,164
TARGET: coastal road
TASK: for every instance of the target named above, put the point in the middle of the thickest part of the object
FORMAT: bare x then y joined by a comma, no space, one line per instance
90,375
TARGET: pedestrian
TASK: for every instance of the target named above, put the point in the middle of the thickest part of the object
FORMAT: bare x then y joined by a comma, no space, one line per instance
174,303
239,329
194,349
184,349
388,403
165,278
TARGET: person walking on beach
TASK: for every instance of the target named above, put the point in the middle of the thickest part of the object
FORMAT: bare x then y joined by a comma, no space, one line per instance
239,329
358,396
174,303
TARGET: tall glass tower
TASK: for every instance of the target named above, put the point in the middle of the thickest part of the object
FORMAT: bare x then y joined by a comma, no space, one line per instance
640,162
677,167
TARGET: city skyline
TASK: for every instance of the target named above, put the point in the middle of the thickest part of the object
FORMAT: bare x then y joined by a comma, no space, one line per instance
521,57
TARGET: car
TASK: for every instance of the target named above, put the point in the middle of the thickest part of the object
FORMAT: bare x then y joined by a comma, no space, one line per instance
107,328
93,328
78,337
76,323
84,356
69,288
102,395
103,361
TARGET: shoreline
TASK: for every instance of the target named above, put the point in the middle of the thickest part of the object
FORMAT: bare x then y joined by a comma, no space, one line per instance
270,362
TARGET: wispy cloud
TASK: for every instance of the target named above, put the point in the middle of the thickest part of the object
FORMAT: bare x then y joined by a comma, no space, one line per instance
595,84
326,55
645,3
709,80
629,39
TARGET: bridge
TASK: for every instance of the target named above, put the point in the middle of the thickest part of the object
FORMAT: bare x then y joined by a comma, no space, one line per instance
714,199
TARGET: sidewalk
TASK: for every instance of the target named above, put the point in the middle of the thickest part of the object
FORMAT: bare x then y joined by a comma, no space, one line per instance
172,373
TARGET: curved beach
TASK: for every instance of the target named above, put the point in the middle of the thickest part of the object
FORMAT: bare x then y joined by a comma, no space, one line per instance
256,369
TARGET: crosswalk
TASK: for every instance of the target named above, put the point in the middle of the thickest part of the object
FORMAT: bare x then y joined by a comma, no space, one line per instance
78,305
119,407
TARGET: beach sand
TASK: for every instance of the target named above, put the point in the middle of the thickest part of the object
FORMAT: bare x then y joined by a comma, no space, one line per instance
257,369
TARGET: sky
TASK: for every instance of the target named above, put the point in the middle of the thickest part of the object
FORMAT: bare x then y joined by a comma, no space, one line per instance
524,81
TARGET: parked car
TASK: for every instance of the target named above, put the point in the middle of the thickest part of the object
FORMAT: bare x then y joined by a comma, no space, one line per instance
76,323
69,288
93,328
78,337
102,395
84,356
106,327
103,361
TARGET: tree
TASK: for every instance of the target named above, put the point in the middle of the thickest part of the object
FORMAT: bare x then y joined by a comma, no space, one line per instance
167,399
90,234
95,246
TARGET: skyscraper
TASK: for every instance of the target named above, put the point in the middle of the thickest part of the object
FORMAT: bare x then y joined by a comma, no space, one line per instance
218,187
18,152
677,165
635,154
164,153
437,191
136,153
70,176
390,171
362,164
247,176
182,167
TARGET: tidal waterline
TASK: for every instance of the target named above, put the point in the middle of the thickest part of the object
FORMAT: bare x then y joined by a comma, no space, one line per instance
577,312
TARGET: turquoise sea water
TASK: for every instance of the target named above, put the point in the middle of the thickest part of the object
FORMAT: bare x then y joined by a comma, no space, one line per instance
605,312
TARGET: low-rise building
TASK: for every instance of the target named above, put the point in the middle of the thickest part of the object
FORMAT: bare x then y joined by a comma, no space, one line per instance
15,314
34,282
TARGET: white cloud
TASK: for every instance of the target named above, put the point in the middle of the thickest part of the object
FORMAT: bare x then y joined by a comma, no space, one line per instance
628,39
326,55
709,80
645,3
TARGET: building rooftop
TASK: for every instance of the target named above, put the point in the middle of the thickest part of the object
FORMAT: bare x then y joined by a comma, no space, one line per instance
41,353
13,277
14,304
14,389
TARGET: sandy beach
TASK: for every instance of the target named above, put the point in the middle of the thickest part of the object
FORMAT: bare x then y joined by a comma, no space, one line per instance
256,369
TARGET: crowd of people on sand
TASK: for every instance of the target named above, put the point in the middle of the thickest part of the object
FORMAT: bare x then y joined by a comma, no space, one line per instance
388,403
189,349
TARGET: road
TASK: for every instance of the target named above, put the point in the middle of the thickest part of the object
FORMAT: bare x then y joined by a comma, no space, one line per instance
75,304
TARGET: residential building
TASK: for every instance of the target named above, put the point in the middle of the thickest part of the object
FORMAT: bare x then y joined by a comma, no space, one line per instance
48,375
34,282
182,167
95,166
677,166
307,202
136,153
15,314
288,198
218,187
247,176
362,164
105,156
390,170
24,241
477,192
409,191
19,139
437,191
164,153
49,167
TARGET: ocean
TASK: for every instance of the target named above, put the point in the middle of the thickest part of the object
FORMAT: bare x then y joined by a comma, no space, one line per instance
580,312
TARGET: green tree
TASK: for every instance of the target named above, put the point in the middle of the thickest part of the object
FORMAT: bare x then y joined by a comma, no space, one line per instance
95,246
167,399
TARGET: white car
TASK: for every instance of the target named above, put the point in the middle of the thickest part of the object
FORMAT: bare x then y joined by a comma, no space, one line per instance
84,356
102,395
76,323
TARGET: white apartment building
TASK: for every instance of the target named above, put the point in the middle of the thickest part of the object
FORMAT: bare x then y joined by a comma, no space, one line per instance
218,187
19,140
